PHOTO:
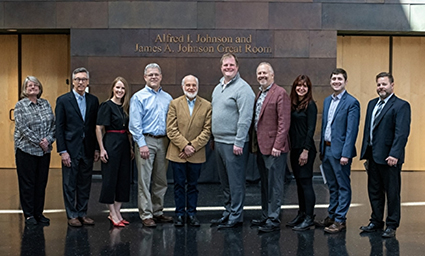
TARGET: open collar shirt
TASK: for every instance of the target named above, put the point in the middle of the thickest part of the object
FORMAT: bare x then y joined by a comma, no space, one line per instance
332,108
148,114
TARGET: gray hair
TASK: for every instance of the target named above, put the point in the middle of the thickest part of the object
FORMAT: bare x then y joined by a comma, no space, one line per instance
80,70
152,65
197,80
25,85
267,64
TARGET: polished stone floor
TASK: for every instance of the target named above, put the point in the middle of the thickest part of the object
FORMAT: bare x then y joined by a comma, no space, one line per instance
102,239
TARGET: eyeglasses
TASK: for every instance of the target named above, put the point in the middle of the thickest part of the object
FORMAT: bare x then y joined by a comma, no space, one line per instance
84,80
153,74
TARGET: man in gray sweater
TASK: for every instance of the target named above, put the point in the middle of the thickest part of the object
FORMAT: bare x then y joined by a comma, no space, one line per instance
232,109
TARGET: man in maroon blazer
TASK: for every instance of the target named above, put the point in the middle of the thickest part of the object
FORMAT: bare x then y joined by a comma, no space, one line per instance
270,127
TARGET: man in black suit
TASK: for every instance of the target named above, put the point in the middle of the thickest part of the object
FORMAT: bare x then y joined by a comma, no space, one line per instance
386,130
76,114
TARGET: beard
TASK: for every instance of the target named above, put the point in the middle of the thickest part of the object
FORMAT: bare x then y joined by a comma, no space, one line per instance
191,95
383,94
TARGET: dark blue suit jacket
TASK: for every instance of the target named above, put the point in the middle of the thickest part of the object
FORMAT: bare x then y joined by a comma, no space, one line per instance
392,127
71,128
344,127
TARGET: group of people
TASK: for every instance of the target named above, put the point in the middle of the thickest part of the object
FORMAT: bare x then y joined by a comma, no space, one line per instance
270,124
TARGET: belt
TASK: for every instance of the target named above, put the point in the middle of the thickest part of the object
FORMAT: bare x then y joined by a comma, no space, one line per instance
116,131
327,143
154,136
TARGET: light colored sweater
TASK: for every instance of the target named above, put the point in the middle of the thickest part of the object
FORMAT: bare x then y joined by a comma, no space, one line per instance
232,109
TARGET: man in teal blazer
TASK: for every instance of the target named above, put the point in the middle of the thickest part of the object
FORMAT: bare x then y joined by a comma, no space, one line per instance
340,123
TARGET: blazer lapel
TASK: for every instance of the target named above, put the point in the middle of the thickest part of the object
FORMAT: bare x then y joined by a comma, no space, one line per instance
185,106
266,100
384,110
340,105
73,102
326,105
369,114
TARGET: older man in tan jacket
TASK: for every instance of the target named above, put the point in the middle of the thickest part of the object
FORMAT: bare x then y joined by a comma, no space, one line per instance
189,129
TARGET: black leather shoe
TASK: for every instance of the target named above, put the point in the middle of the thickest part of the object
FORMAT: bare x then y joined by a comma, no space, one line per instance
222,220
297,220
179,221
229,224
306,224
371,228
258,222
30,221
268,228
389,232
42,219
193,221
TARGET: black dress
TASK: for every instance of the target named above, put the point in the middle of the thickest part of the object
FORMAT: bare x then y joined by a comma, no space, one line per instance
303,125
116,172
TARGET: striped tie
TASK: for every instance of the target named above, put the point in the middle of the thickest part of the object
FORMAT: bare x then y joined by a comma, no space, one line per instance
378,111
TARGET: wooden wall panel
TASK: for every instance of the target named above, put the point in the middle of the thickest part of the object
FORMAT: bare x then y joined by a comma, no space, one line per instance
47,57
409,67
9,92
363,57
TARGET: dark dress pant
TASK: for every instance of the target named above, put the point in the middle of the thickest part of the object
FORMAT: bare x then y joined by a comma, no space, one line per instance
272,172
186,200
304,178
33,172
384,180
339,184
76,182
116,172
231,170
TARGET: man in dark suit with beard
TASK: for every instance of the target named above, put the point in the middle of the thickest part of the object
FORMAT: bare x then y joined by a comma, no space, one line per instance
386,130
76,114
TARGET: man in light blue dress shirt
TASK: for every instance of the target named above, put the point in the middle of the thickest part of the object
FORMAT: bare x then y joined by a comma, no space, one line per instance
148,115
340,124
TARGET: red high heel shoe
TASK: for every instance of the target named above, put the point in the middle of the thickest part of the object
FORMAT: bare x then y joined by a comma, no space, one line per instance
119,224
125,222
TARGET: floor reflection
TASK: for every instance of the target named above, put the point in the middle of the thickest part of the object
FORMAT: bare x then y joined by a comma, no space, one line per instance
77,241
337,244
270,244
377,244
165,239
305,243
33,241
116,246
233,242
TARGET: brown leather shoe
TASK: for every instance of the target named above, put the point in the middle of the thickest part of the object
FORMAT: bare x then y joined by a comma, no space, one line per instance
150,223
86,221
163,218
324,223
335,228
74,222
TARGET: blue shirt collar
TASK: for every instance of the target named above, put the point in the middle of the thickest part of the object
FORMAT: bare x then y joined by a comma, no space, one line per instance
339,96
77,95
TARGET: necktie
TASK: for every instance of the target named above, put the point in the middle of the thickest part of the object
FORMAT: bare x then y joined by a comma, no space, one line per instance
378,111
82,106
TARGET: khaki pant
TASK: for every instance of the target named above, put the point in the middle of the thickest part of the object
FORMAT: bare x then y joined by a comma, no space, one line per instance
151,200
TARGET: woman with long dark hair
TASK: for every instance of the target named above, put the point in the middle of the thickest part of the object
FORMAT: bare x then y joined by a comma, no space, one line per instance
116,150
303,150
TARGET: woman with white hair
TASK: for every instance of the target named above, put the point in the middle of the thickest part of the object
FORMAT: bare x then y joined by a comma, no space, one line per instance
34,135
